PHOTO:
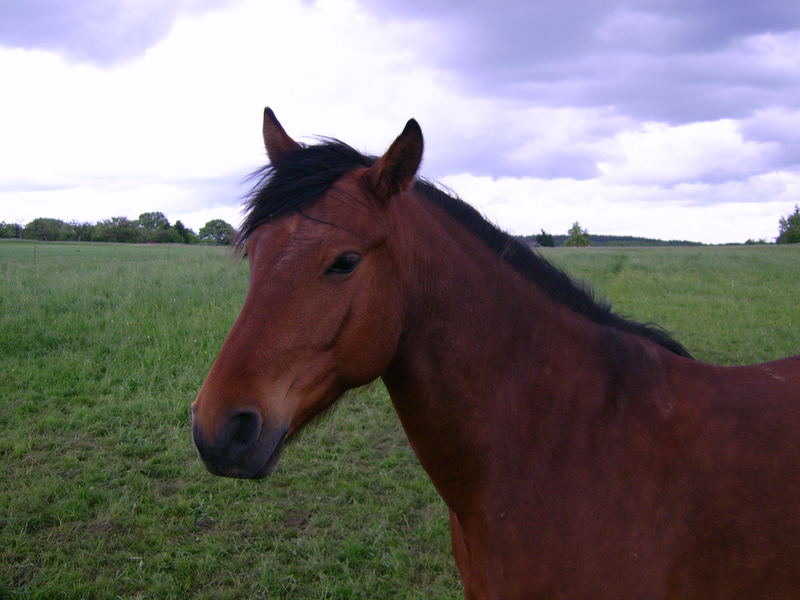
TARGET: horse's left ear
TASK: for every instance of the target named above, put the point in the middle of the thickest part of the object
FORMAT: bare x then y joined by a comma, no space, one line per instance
394,171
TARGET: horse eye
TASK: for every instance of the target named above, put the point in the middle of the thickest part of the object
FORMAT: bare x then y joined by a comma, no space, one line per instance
344,264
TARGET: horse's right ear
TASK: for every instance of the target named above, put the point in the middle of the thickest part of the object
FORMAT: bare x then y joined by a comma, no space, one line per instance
394,171
276,140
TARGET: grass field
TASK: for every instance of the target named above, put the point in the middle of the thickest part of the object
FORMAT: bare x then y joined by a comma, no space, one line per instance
103,347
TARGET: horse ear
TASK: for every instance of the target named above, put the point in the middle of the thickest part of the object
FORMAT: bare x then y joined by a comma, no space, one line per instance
276,140
394,171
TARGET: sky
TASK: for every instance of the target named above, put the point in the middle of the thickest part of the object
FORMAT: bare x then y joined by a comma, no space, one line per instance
672,119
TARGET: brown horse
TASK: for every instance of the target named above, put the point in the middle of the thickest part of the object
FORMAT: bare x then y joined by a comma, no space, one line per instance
581,455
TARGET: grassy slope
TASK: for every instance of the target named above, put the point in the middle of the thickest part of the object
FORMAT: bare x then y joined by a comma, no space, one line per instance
102,348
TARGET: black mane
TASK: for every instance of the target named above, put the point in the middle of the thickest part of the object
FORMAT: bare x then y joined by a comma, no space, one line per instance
301,177
295,181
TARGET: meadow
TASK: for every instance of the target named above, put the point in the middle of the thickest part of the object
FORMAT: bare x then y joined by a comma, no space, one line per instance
103,347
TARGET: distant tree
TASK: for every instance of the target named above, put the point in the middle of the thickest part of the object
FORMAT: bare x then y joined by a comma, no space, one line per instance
577,236
186,235
789,228
153,221
154,227
10,230
117,229
81,232
752,242
162,236
47,230
218,232
545,239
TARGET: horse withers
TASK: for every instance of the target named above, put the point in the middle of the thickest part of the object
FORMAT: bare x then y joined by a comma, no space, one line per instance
581,455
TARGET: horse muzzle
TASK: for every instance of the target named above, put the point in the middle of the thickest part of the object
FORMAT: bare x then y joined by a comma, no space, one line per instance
244,446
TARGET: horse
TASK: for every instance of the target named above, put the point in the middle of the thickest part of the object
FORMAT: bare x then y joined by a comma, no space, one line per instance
581,455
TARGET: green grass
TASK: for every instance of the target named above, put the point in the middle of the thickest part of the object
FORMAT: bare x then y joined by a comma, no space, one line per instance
103,347
727,304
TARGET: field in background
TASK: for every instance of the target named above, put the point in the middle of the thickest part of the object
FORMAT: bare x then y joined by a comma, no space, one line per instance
103,347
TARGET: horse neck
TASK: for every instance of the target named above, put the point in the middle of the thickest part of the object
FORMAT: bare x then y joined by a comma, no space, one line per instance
484,357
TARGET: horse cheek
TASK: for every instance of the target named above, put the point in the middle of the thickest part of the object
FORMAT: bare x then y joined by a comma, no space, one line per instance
370,341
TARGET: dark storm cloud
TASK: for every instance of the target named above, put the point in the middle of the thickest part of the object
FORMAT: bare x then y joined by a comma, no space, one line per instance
97,31
675,61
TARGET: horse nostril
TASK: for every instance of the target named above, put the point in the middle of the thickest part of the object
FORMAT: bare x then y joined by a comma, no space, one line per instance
243,430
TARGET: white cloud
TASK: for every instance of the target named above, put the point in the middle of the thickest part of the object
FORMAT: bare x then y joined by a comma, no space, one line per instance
656,153
96,31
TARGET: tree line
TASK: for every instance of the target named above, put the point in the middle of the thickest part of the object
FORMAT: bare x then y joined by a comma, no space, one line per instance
788,233
150,227
154,227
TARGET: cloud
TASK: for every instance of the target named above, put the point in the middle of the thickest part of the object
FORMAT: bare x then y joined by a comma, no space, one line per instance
97,31
674,61
662,94
706,151
780,127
